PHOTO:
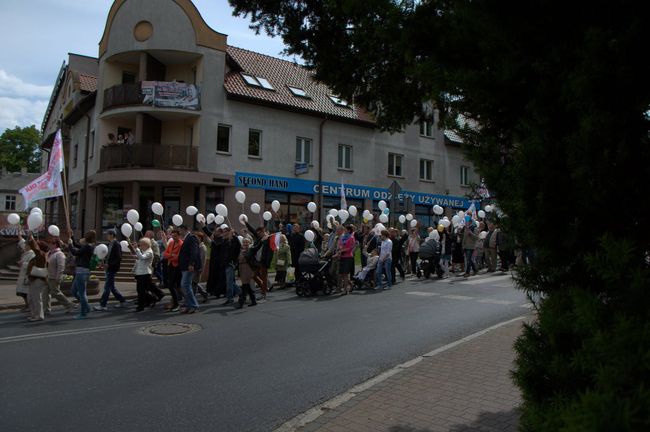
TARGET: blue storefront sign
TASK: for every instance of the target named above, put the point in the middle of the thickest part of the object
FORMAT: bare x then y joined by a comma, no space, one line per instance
285,184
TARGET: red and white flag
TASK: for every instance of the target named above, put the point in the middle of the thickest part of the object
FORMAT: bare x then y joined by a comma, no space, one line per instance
40,188
56,160
344,203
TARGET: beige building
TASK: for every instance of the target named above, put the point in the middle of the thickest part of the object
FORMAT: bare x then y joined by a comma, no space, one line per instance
181,117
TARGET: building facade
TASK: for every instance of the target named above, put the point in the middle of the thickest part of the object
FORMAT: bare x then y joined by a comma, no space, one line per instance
182,118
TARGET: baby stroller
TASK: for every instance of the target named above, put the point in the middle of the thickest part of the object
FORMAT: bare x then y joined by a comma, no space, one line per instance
430,259
314,274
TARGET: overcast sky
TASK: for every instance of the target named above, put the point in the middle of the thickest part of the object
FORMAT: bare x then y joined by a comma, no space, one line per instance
37,35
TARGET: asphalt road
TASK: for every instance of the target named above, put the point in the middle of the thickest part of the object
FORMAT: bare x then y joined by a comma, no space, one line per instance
247,370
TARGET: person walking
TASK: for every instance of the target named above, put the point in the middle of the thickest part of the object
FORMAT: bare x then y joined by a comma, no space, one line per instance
414,250
233,248
173,278
189,261
22,285
445,252
264,256
55,270
384,265
469,245
142,272
490,248
396,258
83,253
283,259
246,273
37,276
198,275
111,267
346,246
296,244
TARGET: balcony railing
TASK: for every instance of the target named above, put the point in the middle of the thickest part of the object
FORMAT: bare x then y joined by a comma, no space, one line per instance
156,156
159,94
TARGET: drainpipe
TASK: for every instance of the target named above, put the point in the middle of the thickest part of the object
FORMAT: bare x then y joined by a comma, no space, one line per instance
320,170
85,189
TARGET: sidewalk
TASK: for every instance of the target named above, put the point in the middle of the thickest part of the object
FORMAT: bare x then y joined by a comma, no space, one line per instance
462,387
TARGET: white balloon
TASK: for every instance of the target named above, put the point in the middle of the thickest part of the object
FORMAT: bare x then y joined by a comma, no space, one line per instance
383,218
434,235
455,220
402,219
241,239
437,209
378,229
138,227
343,215
255,208
309,235
124,245
221,210
481,214
36,210
352,210
275,206
461,214
101,250
157,208
311,207
333,212
132,216
365,214
445,223
381,205
191,210
409,217
54,230
210,218
126,229
34,221
243,219
267,216
488,208
218,219
13,219
177,220
200,218
414,223
240,197
315,224
483,235
370,216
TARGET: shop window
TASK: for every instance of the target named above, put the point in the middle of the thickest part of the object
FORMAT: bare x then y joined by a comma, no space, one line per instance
293,207
113,212
254,143
303,150
223,139
213,196
10,202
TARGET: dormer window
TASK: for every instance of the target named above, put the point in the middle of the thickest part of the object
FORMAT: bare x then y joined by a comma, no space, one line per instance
297,91
339,101
257,81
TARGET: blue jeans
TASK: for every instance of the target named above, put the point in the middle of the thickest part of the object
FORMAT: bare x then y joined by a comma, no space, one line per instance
79,289
381,268
231,287
109,287
186,285
469,261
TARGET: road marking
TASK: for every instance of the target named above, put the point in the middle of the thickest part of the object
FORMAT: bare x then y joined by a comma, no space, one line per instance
34,336
499,302
312,414
423,294
458,297
487,279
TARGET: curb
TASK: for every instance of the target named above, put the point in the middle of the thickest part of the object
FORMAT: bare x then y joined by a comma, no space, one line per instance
303,419
17,306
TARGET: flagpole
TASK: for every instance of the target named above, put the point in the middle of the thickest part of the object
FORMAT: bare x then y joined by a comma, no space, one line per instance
66,209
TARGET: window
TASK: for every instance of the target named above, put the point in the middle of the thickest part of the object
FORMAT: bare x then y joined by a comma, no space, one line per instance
340,102
75,154
128,77
10,202
303,150
345,157
297,91
92,144
426,170
74,210
254,143
394,165
464,176
257,81
426,128
223,139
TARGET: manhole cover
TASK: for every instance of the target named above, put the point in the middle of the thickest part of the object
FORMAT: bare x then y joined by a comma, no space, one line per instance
169,329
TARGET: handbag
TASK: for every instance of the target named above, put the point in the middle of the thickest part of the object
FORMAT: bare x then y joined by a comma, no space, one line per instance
38,272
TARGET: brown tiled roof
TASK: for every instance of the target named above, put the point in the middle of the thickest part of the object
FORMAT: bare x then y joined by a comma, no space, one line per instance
88,82
281,74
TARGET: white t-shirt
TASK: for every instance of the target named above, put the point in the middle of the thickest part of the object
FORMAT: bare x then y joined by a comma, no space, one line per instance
386,250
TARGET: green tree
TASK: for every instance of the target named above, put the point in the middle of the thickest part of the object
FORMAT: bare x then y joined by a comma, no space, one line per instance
20,148
554,98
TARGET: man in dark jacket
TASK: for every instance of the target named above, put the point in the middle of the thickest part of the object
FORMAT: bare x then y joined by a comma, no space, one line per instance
297,245
216,284
398,244
111,266
189,261
232,247
264,256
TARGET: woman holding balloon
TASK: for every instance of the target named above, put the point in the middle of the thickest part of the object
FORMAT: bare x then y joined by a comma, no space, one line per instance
83,253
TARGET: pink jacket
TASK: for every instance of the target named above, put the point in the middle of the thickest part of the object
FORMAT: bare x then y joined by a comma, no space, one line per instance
346,248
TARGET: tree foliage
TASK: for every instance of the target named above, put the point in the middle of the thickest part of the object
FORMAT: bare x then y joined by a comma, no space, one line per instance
20,148
556,98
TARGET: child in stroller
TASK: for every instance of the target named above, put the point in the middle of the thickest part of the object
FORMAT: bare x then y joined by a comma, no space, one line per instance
365,279
314,274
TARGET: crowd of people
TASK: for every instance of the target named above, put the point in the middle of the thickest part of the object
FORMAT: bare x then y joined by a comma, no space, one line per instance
217,261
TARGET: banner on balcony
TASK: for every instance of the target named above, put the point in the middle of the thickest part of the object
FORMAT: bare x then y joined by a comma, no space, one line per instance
171,95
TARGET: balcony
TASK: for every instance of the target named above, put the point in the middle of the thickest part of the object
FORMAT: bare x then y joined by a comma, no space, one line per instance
158,94
154,156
